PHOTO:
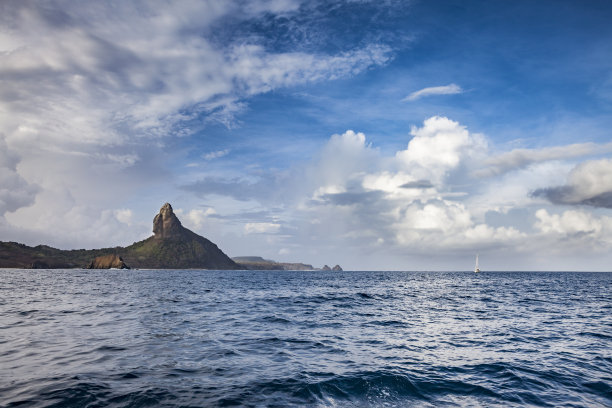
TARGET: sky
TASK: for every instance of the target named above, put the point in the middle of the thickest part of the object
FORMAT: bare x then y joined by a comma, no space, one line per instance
385,135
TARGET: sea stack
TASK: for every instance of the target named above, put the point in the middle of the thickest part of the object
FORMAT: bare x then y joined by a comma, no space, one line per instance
337,268
166,224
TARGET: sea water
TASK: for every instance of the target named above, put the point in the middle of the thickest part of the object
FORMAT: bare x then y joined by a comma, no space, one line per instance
190,338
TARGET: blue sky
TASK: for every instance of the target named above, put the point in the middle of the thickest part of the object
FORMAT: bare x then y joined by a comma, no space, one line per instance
374,134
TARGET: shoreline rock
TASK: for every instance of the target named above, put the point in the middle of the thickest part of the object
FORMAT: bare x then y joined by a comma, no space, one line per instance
108,262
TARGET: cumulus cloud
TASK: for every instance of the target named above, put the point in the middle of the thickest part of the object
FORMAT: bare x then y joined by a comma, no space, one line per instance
195,218
450,89
438,147
351,192
589,183
400,200
575,230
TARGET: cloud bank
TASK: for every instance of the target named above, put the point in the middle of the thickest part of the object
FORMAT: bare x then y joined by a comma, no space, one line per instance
425,199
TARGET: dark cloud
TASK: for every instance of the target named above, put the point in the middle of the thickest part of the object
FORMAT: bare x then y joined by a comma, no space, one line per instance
589,183
352,198
418,184
567,195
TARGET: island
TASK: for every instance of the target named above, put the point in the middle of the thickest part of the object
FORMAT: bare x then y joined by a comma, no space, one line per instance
172,246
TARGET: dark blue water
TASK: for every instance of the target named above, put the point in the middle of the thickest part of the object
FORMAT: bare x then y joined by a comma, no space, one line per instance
74,338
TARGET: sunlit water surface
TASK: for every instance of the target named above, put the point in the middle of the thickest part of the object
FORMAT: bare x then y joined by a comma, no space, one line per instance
76,338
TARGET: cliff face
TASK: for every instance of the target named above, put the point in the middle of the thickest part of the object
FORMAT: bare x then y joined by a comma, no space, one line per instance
108,262
166,224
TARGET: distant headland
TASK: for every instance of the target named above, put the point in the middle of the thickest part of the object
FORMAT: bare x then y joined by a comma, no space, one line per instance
172,246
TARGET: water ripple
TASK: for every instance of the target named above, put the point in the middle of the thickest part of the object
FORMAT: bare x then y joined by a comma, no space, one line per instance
74,338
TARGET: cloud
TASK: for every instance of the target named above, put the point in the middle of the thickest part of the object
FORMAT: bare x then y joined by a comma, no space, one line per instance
417,184
124,215
261,228
443,224
195,218
521,158
89,75
434,90
438,147
81,226
367,198
589,183
575,231
216,154
352,195
15,191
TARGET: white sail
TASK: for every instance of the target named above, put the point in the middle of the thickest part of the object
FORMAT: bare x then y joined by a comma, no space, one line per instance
476,269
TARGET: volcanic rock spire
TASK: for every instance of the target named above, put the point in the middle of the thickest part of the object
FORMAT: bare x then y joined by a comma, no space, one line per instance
166,224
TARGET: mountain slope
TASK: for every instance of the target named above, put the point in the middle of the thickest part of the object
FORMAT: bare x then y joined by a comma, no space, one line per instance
174,246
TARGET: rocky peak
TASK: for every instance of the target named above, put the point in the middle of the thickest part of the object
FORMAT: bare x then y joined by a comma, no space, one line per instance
166,224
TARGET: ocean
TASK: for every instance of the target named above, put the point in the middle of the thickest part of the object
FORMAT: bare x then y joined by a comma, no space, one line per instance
192,338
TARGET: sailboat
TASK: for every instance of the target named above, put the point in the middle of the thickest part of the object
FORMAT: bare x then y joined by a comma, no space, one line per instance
476,267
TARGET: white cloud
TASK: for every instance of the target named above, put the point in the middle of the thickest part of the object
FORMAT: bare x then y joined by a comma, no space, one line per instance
568,223
576,231
196,218
439,147
261,228
446,225
81,226
343,160
124,215
434,90
215,155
